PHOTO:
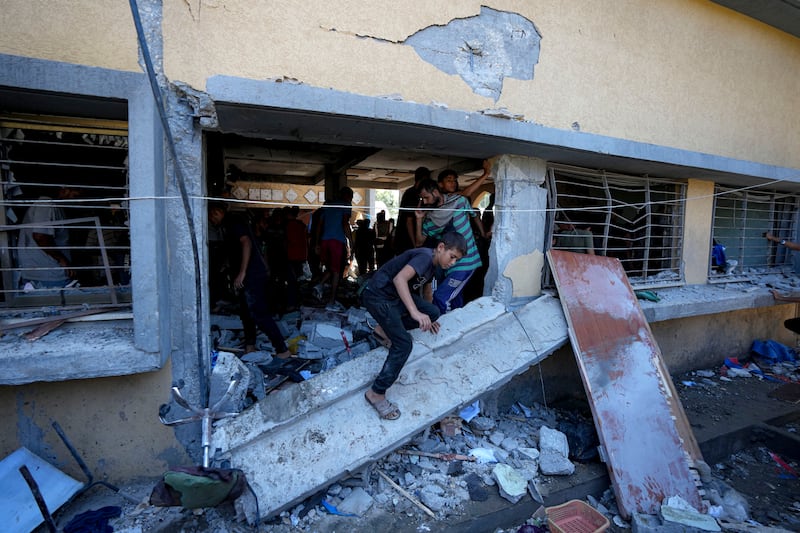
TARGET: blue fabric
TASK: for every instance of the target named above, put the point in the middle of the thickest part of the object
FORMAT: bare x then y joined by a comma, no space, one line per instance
718,255
449,293
773,351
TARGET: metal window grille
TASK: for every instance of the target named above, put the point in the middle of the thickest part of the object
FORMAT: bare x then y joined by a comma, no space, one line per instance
638,220
741,219
39,158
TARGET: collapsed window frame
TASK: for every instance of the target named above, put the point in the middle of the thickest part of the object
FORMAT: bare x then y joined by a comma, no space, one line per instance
50,151
741,218
637,219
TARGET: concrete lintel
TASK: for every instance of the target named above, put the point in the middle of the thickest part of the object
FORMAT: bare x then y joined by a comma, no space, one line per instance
75,351
291,110
289,457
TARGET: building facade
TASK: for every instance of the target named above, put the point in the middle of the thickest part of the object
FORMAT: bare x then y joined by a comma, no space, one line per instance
663,129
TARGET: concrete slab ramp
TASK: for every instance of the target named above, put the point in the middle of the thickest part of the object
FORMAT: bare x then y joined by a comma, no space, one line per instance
299,440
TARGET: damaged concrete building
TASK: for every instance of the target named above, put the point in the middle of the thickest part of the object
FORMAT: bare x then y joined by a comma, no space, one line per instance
666,128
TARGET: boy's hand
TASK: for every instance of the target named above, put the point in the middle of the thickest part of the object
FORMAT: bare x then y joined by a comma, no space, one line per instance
435,327
423,319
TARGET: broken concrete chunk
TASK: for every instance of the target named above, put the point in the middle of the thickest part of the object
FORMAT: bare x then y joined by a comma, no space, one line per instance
527,453
509,444
553,440
554,464
510,483
227,368
481,425
433,501
676,509
357,502
497,437
554,453
257,357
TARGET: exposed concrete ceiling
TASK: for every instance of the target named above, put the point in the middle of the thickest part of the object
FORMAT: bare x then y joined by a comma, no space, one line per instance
401,147
781,14
307,163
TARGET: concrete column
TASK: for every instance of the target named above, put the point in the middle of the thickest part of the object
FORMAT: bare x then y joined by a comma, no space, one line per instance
148,224
697,231
334,182
516,260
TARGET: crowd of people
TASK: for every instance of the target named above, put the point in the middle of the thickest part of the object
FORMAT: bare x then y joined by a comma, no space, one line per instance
409,273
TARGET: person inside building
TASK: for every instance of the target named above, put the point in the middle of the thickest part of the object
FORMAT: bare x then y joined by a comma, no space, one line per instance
572,239
406,232
443,213
297,254
44,255
448,181
364,245
795,247
250,274
383,238
333,238
397,308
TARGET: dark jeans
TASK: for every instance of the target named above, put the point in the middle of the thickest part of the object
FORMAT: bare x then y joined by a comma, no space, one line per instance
393,317
255,297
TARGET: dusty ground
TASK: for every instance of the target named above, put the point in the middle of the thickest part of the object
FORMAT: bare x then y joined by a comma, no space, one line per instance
713,406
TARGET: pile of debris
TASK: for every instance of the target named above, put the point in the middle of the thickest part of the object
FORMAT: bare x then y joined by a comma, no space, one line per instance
318,338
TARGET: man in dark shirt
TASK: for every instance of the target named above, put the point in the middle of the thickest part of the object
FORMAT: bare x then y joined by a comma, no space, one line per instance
251,275
398,308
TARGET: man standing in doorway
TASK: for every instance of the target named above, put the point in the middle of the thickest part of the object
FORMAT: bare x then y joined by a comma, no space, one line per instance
448,212
333,235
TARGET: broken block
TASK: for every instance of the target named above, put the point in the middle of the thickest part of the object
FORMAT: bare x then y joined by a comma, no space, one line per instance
510,483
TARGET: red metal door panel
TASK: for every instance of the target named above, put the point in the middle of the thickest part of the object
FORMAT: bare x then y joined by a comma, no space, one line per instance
640,422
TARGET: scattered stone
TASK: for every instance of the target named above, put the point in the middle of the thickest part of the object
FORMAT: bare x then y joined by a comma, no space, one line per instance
475,487
676,509
482,425
511,484
357,502
528,453
554,453
496,438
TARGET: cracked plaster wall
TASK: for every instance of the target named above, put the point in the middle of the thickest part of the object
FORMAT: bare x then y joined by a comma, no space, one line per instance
684,74
687,74
84,32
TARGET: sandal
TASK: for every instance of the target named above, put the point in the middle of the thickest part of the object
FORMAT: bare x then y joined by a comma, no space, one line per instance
386,409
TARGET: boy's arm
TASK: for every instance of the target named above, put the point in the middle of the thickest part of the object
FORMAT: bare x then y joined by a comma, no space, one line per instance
401,285
470,189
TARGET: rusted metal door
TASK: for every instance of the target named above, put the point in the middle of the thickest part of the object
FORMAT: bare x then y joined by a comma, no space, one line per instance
647,444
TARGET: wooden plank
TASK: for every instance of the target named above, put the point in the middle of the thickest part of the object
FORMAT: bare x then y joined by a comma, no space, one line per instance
636,412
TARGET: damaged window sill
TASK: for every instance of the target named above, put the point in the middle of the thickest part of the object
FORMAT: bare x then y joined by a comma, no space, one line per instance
79,350
697,300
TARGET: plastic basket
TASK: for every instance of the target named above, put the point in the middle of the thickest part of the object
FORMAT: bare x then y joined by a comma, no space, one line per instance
575,516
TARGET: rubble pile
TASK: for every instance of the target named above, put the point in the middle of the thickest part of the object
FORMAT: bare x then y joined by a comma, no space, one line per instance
461,459
319,339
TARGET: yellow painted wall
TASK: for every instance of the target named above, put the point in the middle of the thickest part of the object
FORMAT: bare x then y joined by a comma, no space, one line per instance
682,73
697,230
112,422
98,33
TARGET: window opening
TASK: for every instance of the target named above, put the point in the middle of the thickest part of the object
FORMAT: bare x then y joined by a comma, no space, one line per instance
741,218
64,211
638,220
